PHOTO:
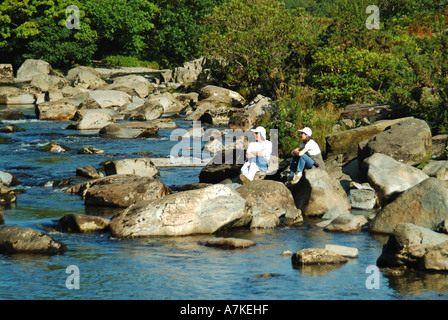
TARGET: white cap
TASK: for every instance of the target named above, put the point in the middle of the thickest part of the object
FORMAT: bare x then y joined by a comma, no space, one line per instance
307,131
261,130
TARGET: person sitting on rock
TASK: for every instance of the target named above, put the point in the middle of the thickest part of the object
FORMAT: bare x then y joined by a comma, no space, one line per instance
258,154
305,156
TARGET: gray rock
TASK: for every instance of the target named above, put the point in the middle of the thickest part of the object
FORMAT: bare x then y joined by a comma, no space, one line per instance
425,204
344,144
389,177
15,96
6,74
395,142
202,211
27,240
347,223
317,257
227,243
81,223
119,190
32,67
411,246
138,166
129,130
60,110
317,192
269,197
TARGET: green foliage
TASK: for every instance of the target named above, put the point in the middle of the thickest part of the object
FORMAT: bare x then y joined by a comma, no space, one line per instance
298,108
122,25
127,61
255,44
37,29
178,29
345,76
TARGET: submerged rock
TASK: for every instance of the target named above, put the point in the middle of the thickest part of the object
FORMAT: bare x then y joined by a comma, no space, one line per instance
81,223
227,243
317,256
27,240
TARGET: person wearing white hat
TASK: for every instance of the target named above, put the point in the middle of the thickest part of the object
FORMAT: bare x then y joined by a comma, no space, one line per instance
258,154
305,156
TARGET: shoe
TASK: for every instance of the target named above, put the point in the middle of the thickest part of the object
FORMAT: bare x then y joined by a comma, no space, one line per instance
244,179
297,177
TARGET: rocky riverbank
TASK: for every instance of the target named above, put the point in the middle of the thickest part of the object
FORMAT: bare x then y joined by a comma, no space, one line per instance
378,159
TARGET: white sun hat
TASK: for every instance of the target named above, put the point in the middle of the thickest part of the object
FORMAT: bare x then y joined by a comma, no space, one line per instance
306,131
261,130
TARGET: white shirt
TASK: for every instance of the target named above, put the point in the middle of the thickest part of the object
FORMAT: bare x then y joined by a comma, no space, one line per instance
312,146
256,146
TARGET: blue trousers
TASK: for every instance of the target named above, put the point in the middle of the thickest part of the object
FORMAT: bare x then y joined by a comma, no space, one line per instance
298,164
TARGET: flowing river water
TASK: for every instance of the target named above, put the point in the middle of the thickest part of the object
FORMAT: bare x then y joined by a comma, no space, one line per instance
169,268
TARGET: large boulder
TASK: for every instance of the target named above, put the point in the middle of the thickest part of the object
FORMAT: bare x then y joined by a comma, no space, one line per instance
212,112
134,85
105,98
260,108
31,68
16,96
220,94
46,82
93,119
150,110
390,177
201,211
273,197
415,247
189,71
168,101
344,144
395,142
120,190
6,74
129,130
139,166
85,77
60,110
425,204
317,192
27,240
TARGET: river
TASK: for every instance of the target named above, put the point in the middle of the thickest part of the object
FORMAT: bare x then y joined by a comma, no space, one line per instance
169,268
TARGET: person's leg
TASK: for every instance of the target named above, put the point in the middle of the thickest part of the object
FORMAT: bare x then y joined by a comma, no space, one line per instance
293,166
304,162
253,168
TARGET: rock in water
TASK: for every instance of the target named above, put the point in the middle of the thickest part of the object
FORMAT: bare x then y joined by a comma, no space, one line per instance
202,211
27,240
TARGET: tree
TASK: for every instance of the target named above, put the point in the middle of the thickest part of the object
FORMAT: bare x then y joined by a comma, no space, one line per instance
37,29
178,29
123,26
251,41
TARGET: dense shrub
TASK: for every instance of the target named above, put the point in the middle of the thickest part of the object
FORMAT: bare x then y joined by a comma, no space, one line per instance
251,41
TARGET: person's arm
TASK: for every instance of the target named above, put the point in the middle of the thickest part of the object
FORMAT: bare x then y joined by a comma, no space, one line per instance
300,151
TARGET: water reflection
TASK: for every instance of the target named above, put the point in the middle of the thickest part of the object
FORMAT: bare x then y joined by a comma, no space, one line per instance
317,270
417,282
